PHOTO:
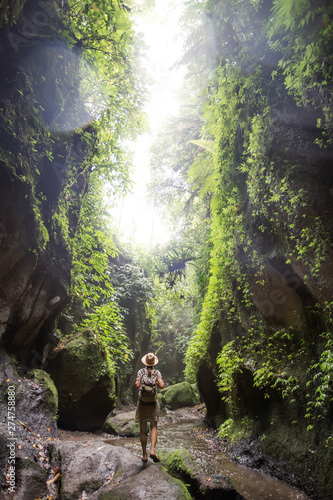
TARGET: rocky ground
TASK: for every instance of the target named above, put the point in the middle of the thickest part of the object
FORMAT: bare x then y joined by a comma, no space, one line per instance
72,465
64,465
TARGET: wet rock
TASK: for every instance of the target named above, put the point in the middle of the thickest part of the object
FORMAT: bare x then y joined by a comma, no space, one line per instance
32,483
152,483
180,464
122,424
28,427
83,375
251,453
178,395
102,471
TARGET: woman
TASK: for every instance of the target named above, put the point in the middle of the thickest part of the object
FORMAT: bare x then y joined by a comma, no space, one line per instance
148,411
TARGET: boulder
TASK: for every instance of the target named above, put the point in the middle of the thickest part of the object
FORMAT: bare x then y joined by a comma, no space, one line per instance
98,470
179,464
122,424
161,400
178,395
197,393
151,482
84,376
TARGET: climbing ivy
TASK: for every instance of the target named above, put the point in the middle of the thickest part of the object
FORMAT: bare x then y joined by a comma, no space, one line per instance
301,33
264,57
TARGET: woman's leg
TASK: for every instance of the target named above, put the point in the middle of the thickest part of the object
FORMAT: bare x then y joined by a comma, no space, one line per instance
143,439
153,437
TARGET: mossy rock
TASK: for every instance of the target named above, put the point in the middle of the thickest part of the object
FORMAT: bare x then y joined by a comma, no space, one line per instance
42,377
84,376
179,395
122,424
180,465
293,448
161,400
196,391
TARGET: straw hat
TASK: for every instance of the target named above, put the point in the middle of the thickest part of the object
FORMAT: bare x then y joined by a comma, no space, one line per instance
150,359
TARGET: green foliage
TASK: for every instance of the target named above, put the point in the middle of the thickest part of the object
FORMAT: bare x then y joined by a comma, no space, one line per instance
103,30
255,192
96,304
199,342
227,226
233,432
320,374
172,325
105,321
112,89
229,363
92,248
301,32
10,11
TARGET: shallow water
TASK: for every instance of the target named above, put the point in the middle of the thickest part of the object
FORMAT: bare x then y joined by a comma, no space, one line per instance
253,485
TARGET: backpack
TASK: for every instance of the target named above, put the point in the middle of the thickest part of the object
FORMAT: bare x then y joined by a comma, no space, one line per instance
147,391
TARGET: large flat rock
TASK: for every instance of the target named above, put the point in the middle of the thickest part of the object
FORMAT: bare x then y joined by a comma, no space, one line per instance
100,471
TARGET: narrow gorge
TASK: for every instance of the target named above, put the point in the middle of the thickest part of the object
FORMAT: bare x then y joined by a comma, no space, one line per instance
238,304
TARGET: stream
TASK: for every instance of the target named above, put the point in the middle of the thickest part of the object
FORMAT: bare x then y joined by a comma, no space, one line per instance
252,484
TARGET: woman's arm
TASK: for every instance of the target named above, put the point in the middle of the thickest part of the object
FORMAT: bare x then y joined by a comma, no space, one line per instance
138,379
160,383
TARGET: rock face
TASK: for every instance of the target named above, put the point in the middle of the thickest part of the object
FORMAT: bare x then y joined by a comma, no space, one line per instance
152,482
25,429
84,377
290,307
42,378
31,292
37,215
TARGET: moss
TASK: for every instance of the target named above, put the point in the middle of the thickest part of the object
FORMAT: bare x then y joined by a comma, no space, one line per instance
87,355
179,395
42,377
300,450
196,391
161,400
184,494
180,465
124,428
84,376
